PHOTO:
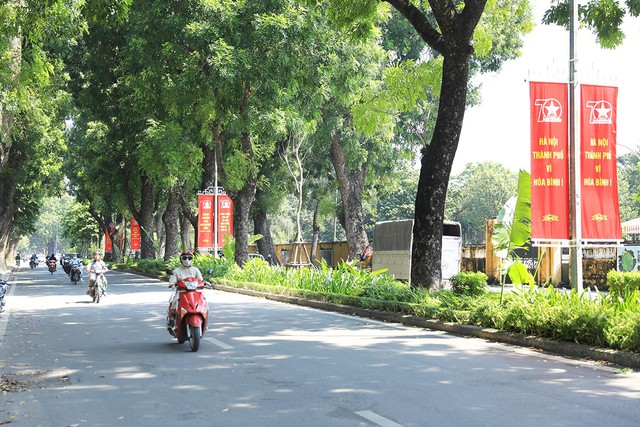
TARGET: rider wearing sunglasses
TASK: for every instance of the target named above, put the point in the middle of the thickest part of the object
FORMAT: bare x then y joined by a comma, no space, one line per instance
186,269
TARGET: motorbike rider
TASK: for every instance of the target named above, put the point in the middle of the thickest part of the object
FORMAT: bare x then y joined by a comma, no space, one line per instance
18,259
94,268
182,272
75,260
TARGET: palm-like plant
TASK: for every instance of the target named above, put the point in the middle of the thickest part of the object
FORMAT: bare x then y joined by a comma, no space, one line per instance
512,232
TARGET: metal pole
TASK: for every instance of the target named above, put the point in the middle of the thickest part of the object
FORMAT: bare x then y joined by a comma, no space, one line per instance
575,247
215,203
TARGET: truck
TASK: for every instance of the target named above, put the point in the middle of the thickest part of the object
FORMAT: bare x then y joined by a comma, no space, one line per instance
393,240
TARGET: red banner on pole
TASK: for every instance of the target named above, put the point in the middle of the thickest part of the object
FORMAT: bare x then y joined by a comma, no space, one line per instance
598,169
225,218
135,243
205,221
549,161
108,244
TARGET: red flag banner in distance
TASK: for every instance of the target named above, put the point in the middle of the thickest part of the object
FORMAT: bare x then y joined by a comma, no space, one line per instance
205,221
549,161
225,218
135,235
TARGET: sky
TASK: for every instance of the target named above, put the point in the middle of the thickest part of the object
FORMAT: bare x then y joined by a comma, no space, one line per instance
498,128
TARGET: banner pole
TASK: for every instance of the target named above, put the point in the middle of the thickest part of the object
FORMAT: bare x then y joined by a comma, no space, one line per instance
216,221
575,247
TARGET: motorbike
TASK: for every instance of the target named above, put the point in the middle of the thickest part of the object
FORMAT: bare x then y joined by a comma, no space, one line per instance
189,322
33,263
66,266
99,289
75,274
4,288
52,264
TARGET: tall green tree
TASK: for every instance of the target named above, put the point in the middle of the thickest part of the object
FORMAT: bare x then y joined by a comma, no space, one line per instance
33,38
448,29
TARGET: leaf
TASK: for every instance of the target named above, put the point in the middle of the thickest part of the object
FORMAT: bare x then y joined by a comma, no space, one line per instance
521,228
519,274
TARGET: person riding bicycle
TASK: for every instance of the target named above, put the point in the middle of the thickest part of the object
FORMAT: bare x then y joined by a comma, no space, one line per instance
182,272
94,268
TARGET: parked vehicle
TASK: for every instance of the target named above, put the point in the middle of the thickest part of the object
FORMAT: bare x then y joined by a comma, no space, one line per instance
189,322
393,241
4,288
53,265
42,258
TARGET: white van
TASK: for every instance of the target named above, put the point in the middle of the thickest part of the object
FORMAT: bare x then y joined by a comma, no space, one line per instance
392,242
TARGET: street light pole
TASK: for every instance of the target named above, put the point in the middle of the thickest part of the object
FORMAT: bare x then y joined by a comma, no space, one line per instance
575,246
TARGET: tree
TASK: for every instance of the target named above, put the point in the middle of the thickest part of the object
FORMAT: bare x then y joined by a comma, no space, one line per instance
33,37
448,30
602,17
629,186
477,194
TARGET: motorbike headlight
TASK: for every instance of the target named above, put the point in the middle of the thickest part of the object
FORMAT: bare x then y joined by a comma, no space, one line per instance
191,285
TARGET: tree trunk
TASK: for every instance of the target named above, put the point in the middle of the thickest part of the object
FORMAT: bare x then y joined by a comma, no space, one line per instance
170,220
437,160
242,201
185,231
265,245
350,184
158,226
315,228
144,216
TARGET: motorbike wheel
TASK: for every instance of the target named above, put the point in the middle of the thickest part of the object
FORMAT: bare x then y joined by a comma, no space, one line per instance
194,339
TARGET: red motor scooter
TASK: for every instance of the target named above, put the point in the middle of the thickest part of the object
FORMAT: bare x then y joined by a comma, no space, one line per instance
190,320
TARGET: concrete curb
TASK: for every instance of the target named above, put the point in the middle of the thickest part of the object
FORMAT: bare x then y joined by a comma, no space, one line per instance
563,348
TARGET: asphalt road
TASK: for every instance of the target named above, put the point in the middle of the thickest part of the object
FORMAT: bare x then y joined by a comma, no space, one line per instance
65,361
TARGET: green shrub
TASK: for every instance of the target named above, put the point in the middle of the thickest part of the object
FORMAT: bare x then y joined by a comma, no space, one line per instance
469,283
621,283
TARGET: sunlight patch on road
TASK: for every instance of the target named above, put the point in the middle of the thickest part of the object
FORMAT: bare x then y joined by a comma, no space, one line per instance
377,419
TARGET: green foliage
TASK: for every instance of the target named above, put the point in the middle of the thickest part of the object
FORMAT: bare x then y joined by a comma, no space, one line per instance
602,17
513,231
622,283
469,283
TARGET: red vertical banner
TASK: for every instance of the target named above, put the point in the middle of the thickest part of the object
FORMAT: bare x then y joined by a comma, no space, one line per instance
135,241
225,218
205,221
598,170
549,161
108,244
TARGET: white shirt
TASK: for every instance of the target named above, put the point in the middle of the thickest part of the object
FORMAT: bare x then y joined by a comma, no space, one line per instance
183,272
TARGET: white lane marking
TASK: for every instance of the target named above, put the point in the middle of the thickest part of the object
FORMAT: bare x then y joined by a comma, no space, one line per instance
219,343
156,314
377,419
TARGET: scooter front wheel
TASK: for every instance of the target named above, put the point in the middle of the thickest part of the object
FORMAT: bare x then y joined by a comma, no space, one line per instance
194,338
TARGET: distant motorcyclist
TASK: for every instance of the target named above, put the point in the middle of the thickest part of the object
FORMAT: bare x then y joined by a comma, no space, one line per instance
94,268
18,259
182,272
75,262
